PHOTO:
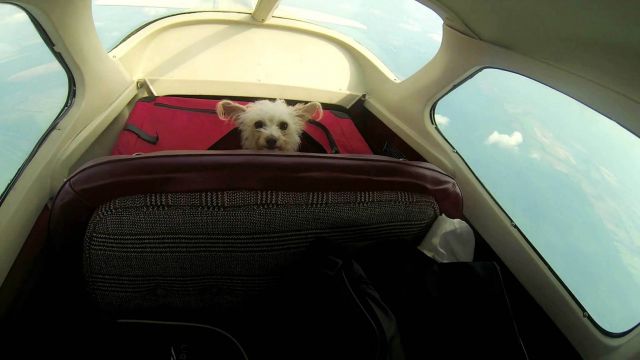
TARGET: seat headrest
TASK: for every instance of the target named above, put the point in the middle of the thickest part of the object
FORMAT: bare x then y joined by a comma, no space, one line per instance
186,171
113,177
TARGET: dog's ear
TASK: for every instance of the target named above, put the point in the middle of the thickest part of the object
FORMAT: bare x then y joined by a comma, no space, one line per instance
312,110
228,110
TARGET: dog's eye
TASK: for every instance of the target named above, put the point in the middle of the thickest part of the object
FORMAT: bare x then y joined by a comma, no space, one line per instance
283,126
259,124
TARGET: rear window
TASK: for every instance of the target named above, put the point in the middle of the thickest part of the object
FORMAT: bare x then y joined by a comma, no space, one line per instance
566,175
116,19
404,34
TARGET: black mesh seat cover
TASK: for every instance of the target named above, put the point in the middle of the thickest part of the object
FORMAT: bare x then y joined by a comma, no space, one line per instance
217,251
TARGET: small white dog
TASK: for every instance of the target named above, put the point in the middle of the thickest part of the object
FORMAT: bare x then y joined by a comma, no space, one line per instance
271,125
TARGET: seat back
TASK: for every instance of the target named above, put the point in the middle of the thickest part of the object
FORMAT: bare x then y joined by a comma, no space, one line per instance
213,233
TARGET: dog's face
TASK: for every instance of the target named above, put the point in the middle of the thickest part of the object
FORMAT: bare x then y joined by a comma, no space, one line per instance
271,125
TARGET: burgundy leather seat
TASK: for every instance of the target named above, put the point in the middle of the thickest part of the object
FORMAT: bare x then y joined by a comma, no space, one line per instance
188,171
93,210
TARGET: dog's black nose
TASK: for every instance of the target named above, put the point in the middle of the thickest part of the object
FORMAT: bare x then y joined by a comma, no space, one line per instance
271,142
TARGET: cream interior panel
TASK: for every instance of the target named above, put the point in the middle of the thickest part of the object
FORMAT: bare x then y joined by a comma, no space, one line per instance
208,55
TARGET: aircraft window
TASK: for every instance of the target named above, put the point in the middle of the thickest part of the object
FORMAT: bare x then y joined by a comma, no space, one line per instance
404,34
566,175
34,91
116,19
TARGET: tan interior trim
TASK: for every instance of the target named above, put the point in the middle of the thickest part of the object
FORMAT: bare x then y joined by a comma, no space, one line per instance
264,10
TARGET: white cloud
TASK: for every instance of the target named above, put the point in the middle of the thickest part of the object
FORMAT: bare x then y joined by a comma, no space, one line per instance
411,26
514,108
7,50
18,17
505,141
608,176
35,72
552,151
320,17
629,255
441,120
155,12
437,37
553,147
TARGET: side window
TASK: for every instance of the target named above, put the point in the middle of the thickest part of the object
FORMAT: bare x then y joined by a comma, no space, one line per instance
568,178
34,89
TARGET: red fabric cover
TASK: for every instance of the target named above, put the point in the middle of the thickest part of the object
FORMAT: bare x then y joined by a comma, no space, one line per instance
345,134
177,129
192,124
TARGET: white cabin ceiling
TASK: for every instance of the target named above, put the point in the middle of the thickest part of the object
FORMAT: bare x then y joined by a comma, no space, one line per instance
599,40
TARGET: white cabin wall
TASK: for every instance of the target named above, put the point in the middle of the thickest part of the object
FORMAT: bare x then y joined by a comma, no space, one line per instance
231,54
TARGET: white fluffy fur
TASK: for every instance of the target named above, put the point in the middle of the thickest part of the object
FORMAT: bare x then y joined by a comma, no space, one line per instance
272,115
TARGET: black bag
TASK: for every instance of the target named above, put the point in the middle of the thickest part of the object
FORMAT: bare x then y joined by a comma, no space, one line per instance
352,283
327,310
450,310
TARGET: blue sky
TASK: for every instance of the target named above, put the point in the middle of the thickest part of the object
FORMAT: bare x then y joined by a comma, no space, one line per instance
562,171
565,174
33,89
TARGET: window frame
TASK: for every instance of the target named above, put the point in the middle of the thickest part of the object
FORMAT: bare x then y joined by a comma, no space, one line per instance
432,112
392,75
71,94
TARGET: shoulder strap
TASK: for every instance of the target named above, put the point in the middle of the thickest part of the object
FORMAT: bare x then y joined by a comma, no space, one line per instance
151,139
327,133
350,277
